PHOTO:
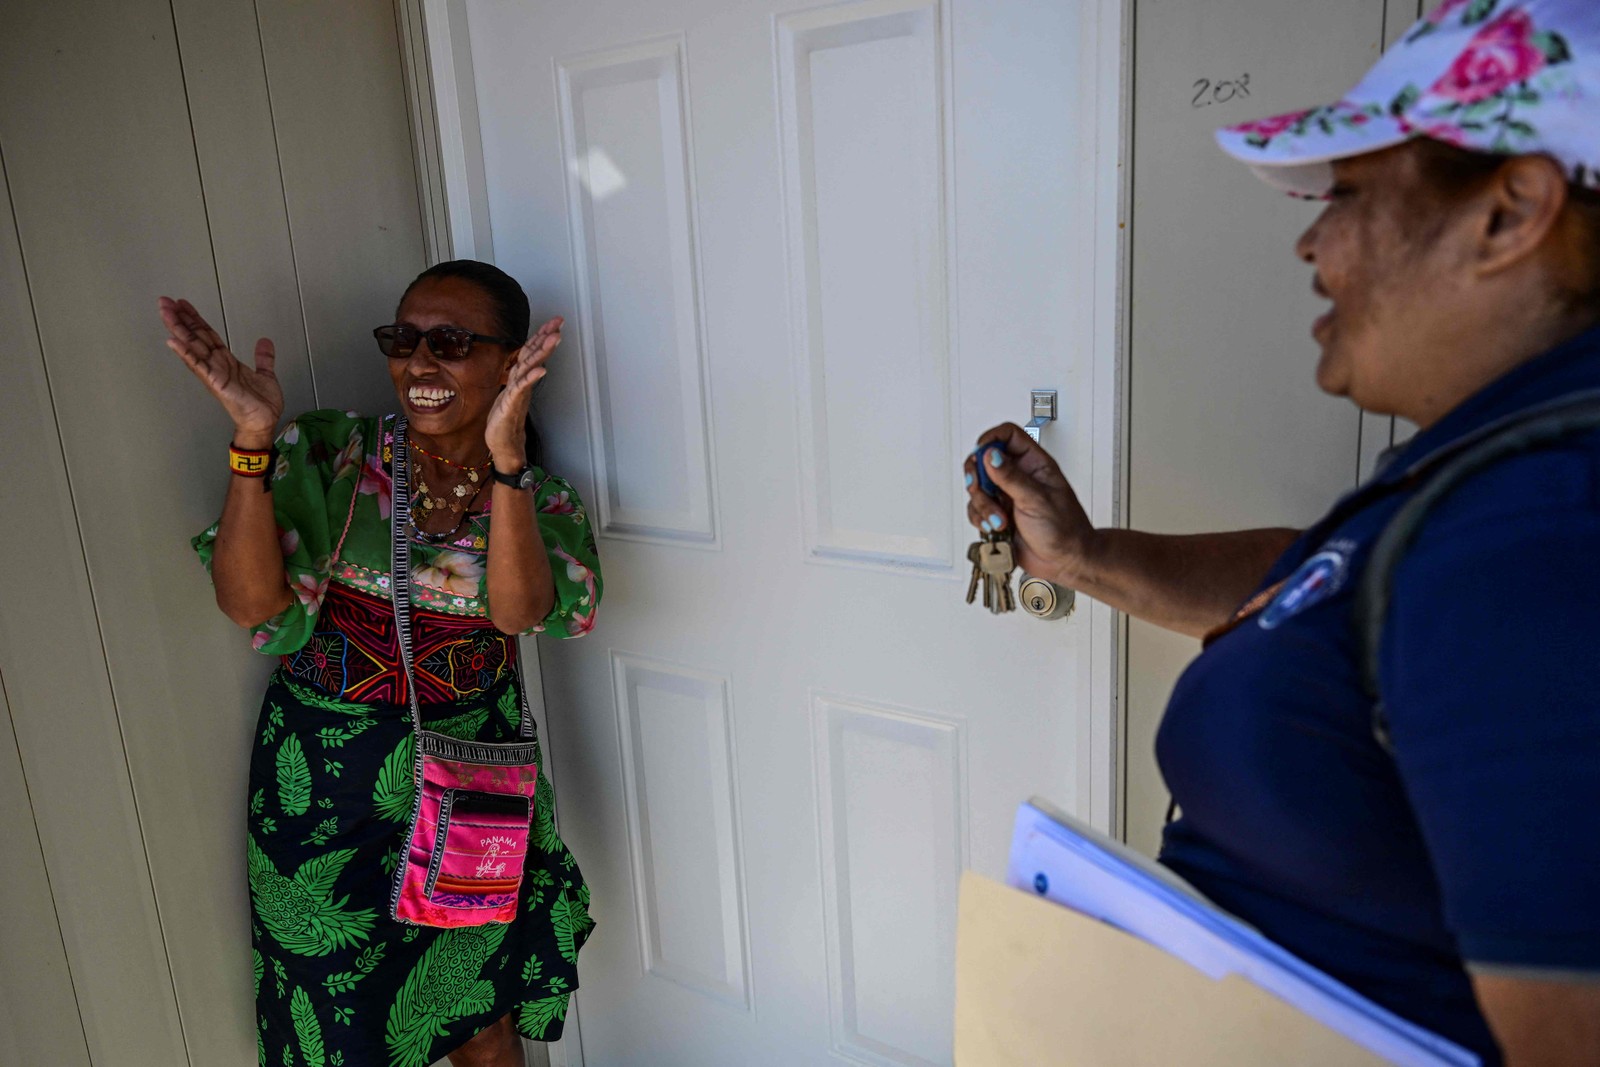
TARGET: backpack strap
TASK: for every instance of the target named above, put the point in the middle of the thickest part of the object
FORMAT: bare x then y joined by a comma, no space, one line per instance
1524,432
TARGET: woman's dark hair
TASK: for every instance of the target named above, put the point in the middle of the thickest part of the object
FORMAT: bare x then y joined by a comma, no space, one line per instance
511,314
1452,173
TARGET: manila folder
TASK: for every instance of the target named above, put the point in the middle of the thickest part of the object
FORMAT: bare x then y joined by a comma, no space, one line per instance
1038,984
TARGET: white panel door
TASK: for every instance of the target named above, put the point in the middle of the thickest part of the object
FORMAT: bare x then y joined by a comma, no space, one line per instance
806,256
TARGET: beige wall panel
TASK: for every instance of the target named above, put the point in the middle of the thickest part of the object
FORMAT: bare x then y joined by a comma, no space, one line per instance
344,139
211,682
1402,13
39,1021
108,190
235,144
1378,432
1227,427
75,142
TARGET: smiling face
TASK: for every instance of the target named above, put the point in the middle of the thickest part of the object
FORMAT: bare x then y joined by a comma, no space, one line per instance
450,401
1388,256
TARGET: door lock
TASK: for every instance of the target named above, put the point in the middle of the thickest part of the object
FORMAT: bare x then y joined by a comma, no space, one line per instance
1043,411
1044,599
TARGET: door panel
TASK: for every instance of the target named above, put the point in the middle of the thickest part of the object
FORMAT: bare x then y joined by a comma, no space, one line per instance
678,765
1227,427
864,193
626,131
843,232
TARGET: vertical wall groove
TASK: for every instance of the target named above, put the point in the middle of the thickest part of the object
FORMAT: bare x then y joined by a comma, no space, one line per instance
288,216
1125,439
200,175
77,1006
94,601
125,178
1208,239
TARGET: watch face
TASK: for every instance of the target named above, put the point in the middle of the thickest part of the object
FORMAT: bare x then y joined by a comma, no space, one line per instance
523,479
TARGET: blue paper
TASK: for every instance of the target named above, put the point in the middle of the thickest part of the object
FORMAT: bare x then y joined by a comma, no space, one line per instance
1063,860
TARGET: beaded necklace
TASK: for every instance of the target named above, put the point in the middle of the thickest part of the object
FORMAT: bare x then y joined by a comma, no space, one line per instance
463,497
471,469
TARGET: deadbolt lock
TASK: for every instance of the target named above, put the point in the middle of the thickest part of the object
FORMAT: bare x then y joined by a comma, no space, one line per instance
1044,599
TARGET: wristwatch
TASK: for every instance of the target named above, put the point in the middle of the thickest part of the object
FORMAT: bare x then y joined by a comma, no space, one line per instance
525,478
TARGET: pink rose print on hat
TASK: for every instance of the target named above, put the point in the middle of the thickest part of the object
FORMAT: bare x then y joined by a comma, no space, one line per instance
1326,121
1439,14
1267,129
1496,76
1438,131
1472,12
1504,53
1483,100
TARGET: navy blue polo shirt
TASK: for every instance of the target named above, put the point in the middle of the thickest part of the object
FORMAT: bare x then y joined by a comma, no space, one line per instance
1477,842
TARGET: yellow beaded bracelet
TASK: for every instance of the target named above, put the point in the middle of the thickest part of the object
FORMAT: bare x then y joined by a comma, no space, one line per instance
249,462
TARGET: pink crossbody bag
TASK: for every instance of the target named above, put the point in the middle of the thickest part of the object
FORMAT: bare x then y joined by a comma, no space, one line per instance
467,842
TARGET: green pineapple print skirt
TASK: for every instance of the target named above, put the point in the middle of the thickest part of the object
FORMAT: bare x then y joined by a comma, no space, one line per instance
339,983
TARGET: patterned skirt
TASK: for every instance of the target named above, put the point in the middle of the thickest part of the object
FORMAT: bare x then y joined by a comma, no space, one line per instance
339,983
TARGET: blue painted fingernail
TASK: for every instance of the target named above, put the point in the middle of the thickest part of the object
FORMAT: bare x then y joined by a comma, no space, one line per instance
996,458
969,481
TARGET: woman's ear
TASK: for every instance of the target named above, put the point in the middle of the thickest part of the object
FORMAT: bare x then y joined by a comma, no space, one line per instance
1526,198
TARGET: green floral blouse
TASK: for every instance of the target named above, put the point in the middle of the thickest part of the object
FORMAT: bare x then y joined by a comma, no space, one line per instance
331,495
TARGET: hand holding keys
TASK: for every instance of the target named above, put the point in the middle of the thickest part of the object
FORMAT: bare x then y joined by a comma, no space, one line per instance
1034,521
992,558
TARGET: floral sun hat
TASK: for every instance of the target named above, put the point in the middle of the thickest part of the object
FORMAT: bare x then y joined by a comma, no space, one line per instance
1515,77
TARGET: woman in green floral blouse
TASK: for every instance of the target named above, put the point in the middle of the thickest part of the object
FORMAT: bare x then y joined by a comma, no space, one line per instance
300,557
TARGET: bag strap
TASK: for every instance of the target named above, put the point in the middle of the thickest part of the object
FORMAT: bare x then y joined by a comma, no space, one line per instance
400,584
1512,436
1418,473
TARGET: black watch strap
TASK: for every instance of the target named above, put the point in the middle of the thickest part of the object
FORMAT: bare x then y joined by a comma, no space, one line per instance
523,479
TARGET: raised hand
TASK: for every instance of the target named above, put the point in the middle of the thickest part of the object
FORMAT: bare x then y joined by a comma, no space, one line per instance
506,431
252,398
1051,533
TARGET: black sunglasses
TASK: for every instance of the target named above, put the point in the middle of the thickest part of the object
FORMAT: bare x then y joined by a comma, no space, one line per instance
445,342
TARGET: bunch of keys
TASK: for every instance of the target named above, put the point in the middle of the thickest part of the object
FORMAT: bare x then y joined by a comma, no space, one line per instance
992,565
992,557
